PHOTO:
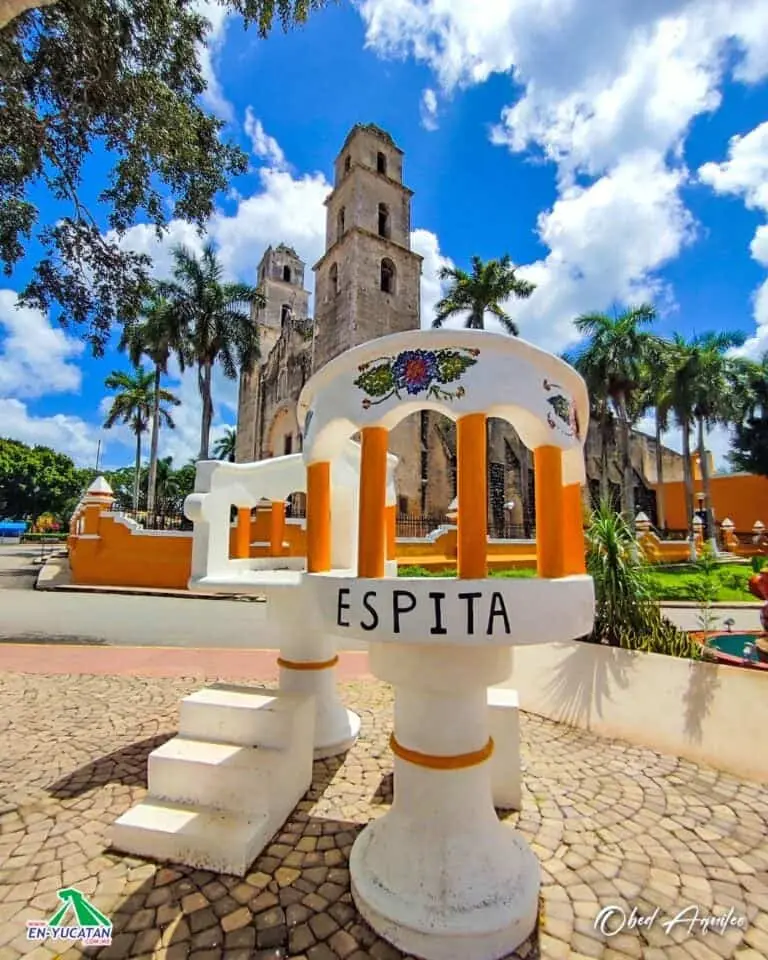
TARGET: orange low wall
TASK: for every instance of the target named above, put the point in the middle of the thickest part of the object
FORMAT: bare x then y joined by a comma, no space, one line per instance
119,556
741,497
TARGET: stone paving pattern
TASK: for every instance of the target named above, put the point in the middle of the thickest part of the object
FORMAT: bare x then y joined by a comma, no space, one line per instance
611,824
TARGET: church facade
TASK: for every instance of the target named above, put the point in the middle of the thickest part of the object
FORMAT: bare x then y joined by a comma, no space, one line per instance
367,285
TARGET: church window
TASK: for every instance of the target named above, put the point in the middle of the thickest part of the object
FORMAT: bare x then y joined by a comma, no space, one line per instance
384,230
285,314
347,164
381,163
287,444
287,274
333,279
340,224
387,276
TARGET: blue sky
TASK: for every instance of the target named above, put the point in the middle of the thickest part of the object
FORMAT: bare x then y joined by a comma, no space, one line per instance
614,164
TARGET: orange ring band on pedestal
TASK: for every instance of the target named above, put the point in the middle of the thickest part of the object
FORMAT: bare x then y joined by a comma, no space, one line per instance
457,762
307,664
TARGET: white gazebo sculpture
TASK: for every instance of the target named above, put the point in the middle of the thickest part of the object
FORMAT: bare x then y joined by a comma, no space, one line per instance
439,875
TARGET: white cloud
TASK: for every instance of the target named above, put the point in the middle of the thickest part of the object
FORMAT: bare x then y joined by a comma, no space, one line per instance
745,174
609,89
606,241
427,244
213,97
288,209
596,74
66,434
429,109
262,144
35,358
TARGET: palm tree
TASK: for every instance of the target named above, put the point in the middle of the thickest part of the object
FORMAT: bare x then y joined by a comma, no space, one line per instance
159,336
480,292
750,447
216,317
599,411
224,447
614,358
656,375
133,404
475,294
717,376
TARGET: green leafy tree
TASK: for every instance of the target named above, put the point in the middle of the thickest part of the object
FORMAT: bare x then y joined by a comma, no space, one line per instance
216,316
37,480
224,448
132,404
612,363
750,444
81,75
482,291
159,335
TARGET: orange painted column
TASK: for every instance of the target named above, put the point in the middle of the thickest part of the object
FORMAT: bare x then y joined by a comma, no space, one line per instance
243,533
391,532
472,489
372,517
319,517
550,512
276,528
575,546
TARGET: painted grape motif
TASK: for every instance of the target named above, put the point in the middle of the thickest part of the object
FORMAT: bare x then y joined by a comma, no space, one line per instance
415,372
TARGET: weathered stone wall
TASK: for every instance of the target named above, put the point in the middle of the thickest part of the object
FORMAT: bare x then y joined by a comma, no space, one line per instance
283,377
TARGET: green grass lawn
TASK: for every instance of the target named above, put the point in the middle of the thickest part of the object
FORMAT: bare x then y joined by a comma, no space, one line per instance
671,583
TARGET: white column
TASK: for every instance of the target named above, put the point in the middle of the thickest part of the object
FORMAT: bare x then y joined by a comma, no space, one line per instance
440,876
307,660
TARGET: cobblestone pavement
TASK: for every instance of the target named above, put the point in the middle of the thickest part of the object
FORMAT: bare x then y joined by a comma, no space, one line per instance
611,824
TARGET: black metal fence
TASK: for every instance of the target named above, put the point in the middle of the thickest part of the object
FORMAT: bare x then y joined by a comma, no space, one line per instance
417,528
159,521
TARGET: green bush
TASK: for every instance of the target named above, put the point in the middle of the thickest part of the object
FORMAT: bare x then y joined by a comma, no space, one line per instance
47,537
626,612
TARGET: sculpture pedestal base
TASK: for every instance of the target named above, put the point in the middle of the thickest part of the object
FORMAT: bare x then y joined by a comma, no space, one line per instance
440,876
308,666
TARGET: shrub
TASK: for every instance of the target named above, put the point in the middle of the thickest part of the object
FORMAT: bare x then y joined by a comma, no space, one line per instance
626,614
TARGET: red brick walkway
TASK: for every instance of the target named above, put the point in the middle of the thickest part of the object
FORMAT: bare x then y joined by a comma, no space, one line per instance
157,661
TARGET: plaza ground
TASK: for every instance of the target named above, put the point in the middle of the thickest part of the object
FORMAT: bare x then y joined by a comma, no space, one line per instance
612,824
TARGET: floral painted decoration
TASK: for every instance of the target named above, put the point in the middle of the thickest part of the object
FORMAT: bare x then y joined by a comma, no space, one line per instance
562,414
415,372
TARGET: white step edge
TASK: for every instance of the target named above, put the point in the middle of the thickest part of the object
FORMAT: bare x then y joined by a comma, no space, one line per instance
200,838
215,775
247,716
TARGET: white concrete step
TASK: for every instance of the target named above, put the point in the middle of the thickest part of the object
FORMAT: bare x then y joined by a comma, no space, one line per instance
204,839
247,716
216,775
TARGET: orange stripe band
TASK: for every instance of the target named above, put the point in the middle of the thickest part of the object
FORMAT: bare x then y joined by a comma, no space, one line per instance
458,762
307,664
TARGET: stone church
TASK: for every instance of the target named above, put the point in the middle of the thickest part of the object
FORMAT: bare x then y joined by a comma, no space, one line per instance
367,285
